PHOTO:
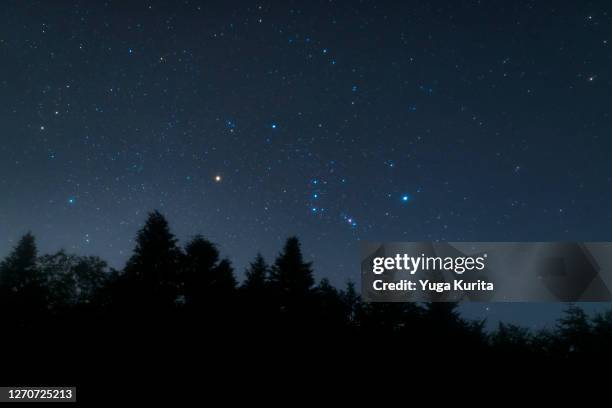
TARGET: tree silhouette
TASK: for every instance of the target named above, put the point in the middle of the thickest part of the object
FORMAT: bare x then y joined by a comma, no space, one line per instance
206,279
352,305
209,285
291,281
19,269
23,290
602,332
257,305
574,330
150,281
290,275
72,280
256,277
166,290
511,339
330,307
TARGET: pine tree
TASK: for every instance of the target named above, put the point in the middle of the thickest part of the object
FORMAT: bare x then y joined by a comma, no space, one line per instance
256,277
291,294
224,280
290,276
256,303
19,269
574,330
152,272
23,289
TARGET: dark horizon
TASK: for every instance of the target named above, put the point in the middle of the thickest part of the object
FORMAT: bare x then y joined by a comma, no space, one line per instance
188,295
541,315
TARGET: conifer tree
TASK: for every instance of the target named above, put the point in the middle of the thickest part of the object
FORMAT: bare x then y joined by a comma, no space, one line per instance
23,289
574,330
19,269
151,274
291,276
256,276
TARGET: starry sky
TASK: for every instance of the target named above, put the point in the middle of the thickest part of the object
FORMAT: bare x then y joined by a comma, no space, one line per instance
337,121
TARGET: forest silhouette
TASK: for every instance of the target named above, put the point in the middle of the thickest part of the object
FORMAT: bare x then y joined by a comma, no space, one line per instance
181,298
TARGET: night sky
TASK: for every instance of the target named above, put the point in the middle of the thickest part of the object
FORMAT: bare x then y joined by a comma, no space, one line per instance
334,121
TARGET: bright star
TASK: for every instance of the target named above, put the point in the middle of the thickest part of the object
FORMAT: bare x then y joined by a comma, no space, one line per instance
405,198
274,126
218,178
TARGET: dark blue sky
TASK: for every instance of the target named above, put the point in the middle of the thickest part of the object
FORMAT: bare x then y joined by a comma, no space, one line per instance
335,121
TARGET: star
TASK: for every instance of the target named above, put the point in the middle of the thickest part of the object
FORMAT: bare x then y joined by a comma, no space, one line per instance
218,178
71,200
405,198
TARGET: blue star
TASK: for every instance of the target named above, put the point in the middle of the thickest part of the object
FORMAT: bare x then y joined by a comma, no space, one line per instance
405,198
72,201
274,126
315,196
